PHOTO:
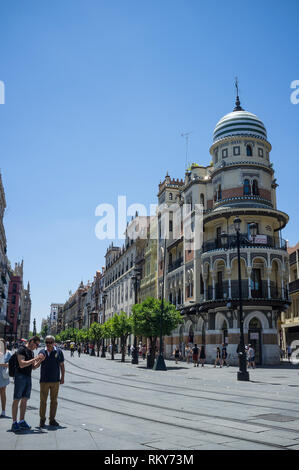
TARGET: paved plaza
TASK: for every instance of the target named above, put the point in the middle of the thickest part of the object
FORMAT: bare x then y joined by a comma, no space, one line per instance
110,405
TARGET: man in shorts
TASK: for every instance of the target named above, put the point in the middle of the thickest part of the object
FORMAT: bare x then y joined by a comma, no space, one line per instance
22,379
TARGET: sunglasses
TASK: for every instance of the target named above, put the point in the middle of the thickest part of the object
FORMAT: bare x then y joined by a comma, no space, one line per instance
49,342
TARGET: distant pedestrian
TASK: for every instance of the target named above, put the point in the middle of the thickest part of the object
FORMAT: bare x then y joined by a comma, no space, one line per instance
22,389
189,354
176,354
51,376
132,349
5,355
224,355
79,350
143,351
72,348
289,352
202,356
129,349
218,357
251,356
195,353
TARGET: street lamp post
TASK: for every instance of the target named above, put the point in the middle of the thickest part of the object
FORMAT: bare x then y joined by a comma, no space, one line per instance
160,363
103,354
135,278
243,374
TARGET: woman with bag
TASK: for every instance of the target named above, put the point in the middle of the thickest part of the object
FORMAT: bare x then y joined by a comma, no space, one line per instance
5,355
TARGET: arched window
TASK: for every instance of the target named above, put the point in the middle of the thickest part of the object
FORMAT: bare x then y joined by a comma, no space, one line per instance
219,193
248,150
216,156
202,199
247,190
255,188
170,196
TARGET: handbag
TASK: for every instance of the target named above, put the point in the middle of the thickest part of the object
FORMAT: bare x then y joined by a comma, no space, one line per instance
5,373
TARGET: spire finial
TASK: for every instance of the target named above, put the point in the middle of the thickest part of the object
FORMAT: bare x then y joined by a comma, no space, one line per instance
238,104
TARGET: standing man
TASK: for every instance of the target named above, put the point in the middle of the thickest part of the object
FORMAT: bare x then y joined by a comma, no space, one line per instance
22,390
50,379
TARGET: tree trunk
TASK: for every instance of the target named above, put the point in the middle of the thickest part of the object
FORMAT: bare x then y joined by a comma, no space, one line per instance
123,348
113,347
152,352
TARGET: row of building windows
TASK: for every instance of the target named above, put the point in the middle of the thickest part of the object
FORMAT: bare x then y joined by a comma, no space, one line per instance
250,188
237,151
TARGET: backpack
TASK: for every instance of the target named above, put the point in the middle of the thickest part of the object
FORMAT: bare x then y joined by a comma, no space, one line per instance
12,365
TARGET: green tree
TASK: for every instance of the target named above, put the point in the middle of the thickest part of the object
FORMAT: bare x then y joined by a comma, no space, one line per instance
109,332
146,321
122,327
44,331
96,334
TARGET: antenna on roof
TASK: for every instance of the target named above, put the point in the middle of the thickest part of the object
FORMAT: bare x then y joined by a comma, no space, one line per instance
186,136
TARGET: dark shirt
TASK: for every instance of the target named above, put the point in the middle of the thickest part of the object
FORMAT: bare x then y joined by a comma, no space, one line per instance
50,367
195,351
28,355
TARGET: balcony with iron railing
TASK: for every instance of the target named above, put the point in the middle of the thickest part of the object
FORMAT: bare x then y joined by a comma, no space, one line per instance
294,286
175,264
260,241
221,294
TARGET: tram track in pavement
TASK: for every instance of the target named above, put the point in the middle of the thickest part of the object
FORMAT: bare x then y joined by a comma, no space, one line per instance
171,392
164,422
266,426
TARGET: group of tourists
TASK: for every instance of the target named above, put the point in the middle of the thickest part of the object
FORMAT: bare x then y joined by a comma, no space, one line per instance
193,354
198,356
19,366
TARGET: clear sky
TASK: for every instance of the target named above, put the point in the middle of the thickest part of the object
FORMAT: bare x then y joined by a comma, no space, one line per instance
97,94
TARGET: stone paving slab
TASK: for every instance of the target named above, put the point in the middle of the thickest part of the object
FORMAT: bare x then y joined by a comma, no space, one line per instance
212,392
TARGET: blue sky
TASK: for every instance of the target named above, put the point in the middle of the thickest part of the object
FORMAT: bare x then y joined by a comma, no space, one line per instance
97,94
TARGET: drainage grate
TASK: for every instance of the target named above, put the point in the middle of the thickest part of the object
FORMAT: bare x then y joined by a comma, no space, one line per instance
276,417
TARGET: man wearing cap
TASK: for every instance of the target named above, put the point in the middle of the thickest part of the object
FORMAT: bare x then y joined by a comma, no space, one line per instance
51,375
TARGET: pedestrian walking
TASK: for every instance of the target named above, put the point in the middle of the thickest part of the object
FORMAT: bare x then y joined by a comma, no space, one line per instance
129,349
202,356
51,376
224,355
143,351
218,357
176,354
22,381
79,350
72,348
5,355
189,353
289,351
251,357
195,352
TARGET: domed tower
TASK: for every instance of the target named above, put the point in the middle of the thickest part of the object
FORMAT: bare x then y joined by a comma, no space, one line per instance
242,185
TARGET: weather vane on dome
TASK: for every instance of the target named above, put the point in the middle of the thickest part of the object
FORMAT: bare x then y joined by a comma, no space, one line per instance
238,104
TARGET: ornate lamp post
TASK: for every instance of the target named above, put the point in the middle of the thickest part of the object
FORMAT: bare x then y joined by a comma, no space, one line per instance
160,363
135,278
103,354
243,374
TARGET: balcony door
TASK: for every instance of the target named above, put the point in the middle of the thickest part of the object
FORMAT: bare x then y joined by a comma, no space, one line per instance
255,339
256,283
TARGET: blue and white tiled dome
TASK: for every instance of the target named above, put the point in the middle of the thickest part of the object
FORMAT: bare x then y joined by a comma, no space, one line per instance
238,123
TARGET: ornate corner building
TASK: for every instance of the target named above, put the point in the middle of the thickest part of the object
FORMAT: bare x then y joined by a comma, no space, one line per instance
203,282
